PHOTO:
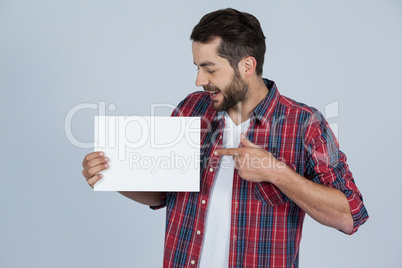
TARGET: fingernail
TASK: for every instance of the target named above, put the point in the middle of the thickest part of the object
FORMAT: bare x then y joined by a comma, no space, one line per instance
107,159
101,153
106,165
100,175
242,136
215,153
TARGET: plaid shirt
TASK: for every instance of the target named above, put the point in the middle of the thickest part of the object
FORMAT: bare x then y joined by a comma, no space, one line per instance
266,226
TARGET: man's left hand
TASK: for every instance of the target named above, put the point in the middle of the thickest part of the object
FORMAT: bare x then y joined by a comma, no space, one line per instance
253,162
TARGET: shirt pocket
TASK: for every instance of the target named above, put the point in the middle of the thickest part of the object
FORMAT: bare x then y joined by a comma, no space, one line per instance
269,194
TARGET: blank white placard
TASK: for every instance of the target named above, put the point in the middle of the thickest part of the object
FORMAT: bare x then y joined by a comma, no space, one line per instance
149,153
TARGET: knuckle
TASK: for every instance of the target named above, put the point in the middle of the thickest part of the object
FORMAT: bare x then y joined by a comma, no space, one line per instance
93,180
91,164
91,171
90,183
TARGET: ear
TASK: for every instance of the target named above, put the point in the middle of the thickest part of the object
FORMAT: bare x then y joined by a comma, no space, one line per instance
247,66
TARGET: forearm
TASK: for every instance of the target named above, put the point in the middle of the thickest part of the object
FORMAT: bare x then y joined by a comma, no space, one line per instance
146,198
326,205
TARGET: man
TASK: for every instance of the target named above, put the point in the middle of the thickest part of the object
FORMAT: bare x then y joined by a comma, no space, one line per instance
266,160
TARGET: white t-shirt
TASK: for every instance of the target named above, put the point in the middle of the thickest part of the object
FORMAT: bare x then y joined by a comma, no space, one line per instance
215,248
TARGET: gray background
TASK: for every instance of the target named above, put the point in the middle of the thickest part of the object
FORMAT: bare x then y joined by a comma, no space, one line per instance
55,55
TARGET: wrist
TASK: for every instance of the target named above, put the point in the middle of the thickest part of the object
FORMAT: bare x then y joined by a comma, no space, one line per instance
279,173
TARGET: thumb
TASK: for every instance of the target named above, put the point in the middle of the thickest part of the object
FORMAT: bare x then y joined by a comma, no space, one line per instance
246,142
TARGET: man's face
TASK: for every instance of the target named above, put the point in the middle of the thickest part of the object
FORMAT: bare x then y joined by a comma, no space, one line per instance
225,85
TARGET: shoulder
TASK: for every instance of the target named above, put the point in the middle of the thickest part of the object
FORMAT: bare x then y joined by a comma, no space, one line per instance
293,106
307,119
195,104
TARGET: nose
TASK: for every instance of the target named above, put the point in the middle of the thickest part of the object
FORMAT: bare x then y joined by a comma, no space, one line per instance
201,79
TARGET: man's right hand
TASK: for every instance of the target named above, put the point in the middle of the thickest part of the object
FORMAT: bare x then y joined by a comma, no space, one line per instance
93,164
97,161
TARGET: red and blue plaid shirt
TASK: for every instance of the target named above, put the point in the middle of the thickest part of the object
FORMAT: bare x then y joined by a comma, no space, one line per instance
266,226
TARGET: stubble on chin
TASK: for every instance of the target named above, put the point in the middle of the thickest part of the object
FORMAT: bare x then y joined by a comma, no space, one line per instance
236,93
216,105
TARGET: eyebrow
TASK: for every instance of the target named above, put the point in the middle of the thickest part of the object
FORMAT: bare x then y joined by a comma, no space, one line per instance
205,64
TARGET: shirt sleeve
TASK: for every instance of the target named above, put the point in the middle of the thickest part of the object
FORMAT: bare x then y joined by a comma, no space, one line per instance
326,165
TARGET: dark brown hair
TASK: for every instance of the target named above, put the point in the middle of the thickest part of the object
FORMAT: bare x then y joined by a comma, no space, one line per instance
241,35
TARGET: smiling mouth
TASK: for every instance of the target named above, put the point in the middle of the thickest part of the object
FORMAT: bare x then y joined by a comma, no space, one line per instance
213,92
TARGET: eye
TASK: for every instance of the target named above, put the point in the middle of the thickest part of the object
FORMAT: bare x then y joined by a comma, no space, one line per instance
210,71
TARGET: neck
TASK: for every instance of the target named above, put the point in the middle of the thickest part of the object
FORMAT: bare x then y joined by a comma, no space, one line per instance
242,111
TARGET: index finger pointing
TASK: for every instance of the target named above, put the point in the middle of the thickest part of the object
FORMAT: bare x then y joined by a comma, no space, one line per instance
228,151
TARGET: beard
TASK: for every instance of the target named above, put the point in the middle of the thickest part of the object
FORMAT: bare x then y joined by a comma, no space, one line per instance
235,92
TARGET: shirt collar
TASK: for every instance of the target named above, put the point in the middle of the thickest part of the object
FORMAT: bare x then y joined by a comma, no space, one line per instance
267,105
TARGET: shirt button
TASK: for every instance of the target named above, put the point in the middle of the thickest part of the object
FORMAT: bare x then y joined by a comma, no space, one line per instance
192,262
203,202
198,232
211,170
